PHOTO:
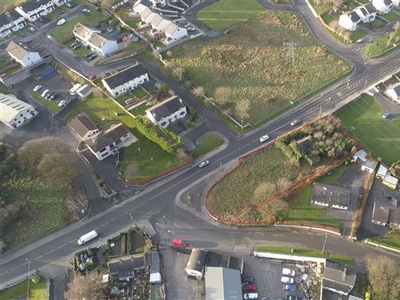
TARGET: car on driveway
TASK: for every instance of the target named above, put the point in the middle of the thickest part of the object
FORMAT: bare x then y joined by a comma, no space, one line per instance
45,92
288,272
62,103
289,287
54,96
61,22
287,279
386,115
37,88
264,138
204,164
390,197
295,122
250,296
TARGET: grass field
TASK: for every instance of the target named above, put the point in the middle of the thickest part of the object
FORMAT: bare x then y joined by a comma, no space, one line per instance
392,241
207,144
381,136
225,13
252,63
37,291
383,44
144,158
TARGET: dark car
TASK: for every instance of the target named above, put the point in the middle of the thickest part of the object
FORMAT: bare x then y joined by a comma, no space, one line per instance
307,294
54,96
89,54
76,46
249,279
390,197
48,95
60,46
73,44
91,57
78,58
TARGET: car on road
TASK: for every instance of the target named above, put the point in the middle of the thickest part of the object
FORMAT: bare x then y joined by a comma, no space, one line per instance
45,92
204,164
37,88
31,29
249,279
386,115
78,58
92,76
249,287
61,22
264,138
60,46
289,287
295,122
288,272
250,296
62,103
287,279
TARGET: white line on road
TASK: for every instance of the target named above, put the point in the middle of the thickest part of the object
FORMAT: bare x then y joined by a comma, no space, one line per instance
104,224
176,225
38,257
50,251
1,274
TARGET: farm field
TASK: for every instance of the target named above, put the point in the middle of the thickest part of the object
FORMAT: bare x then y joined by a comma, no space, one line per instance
381,136
248,72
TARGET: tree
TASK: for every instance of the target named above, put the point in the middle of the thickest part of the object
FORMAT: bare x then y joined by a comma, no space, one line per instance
242,109
198,91
222,95
106,4
88,287
383,276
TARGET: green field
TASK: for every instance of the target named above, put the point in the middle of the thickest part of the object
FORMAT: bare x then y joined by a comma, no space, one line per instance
225,13
252,64
381,136
37,291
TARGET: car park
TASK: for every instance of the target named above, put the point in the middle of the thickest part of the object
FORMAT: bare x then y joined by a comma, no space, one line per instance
287,279
249,287
264,138
204,164
288,272
37,88
45,92
289,287
295,122
61,22
62,103
250,296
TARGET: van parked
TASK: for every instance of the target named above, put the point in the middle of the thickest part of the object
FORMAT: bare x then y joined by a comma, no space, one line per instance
87,237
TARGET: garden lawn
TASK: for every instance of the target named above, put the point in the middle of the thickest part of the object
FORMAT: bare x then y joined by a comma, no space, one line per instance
384,44
392,241
142,159
252,64
225,13
391,16
37,291
207,144
381,136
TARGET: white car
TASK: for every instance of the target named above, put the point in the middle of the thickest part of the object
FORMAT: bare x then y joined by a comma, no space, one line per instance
295,122
288,272
86,10
61,22
62,103
45,92
386,115
204,164
250,296
286,279
38,87
264,138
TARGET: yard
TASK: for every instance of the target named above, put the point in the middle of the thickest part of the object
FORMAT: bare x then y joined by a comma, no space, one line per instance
37,291
364,118
254,72
52,106
225,13
144,158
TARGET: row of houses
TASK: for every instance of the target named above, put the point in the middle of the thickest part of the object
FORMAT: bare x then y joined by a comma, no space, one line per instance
29,11
366,13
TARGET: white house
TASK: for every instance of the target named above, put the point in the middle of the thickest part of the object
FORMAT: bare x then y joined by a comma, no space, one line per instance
14,113
349,21
167,111
173,32
32,10
126,80
366,13
59,3
371,10
382,6
393,92
23,54
11,22
83,127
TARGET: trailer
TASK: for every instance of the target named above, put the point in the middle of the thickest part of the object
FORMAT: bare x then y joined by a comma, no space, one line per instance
87,237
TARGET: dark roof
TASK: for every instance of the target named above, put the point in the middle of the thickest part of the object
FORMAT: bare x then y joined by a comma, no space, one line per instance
81,124
166,107
124,267
197,260
339,276
107,137
397,89
7,18
332,285
364,11
354,16
387,2
126,75
380,214
33,4
370,8
14,14
225,261
395,214
331,194
155,262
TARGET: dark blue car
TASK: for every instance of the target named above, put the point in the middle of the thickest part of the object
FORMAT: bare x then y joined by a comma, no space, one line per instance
289,287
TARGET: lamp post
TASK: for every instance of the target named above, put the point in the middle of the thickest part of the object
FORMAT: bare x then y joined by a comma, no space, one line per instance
29,270
323,247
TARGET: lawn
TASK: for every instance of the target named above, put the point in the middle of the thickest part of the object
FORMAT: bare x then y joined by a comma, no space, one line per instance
139,92
52,106
358,34
364,118
139,110
391,16
392,241
225,13
122,99
382,45
37,291
252,65
207,144
305,252
144,158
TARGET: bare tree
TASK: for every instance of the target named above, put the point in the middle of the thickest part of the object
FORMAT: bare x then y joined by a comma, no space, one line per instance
88,287
223,94
198,91
396,26
106,4
242,109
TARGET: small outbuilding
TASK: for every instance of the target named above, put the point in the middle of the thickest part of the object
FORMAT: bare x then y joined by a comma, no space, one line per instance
380,215
196,263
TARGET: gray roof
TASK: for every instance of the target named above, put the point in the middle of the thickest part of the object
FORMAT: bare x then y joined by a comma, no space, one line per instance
33,4
99,40
10,107
225,261
155,262
380,214
107,137
370,8
82,124
339,276
123,267
396,89
387,2
354,16
197,260
9,17
166,107
223,283
19,49
330,194
124,76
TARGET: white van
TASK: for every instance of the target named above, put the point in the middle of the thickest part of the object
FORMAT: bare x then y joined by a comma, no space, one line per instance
87,237
288,272
74,89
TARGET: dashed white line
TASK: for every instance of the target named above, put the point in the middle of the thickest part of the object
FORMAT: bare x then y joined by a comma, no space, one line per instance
102,225
38,257
50,251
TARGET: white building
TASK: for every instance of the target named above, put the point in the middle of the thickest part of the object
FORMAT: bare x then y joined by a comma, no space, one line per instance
126,80
11,22
32,10
15,113
366,14
23,54
349,21
382,6
167,112
393,92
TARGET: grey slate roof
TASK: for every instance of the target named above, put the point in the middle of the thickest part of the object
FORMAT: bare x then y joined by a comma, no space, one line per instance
107,137
339,276
32,5
380,214
82,124
7,18
166,107
370,8
124,76
354,17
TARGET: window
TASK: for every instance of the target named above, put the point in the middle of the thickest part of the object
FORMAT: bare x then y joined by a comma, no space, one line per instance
102,150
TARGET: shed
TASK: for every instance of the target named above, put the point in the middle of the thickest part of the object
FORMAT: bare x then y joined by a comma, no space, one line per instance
390,181
84,91
155,276
368,166
381,173
380,215
223,283
195,265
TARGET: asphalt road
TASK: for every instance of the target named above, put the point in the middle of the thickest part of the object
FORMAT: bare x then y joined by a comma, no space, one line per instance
157,201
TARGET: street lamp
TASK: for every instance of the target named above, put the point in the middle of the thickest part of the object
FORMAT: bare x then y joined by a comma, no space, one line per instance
29,270
323,247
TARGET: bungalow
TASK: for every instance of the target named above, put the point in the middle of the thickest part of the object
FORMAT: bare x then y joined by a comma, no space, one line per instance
14,113
167,111
83,127
23,54
338,278
393,91
349,21
380,215
382,6
11,22
330,196
196,263
33,10
126,80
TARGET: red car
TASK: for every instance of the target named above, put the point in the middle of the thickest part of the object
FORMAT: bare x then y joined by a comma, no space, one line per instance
60,46
249,287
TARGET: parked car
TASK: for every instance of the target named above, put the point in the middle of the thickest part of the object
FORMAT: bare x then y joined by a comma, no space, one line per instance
91,57
62,103
87,55
48,95
191,28
249,287
76,46
289,287
287,279
45,92
227,31
249,279
31,29
204,164
54,96
250,296
295,122
288,272
61,22
390,197
86,10
386,115
37,88
68,5
264,138
73,44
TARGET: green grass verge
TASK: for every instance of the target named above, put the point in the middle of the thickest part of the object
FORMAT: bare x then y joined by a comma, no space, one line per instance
52,106
207,144
225,13
392,241
305,252
382,136
358,34
37,291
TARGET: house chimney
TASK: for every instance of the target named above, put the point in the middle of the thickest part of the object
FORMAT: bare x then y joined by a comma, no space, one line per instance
344,273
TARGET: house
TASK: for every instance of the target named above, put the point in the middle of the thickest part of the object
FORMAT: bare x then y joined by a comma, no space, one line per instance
11,22
362,13
23,54
167,112
380,215
155,271
141,10
371,10
225,261
107,142
394,217
381,173
33,10
158,3
59,3
83,127
382,6
84,91
223,283
396,2
338,278
390,181
330,196
349,21
83,33
124,268
126,80
368,166
15,113
196,263
102,45
393,91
